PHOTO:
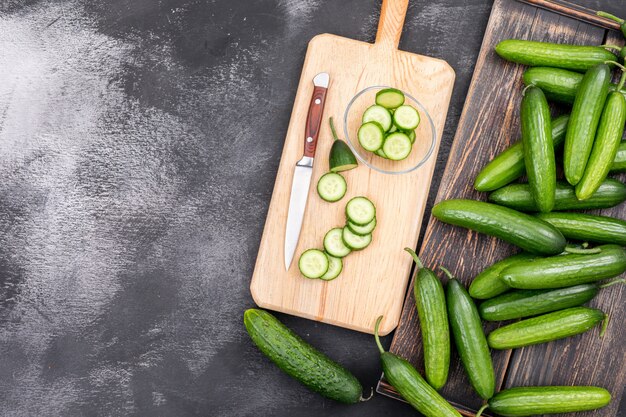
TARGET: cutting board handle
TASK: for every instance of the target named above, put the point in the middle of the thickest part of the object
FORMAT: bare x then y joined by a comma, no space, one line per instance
392,14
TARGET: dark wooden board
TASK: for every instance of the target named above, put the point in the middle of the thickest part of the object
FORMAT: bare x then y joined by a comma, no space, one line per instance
490,123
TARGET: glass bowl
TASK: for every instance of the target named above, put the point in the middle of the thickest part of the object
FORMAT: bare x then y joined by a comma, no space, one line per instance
425,134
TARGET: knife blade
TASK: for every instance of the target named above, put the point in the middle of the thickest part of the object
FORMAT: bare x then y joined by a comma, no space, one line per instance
304,167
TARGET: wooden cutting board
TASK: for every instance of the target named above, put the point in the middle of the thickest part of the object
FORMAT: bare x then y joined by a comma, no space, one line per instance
490,123
373,281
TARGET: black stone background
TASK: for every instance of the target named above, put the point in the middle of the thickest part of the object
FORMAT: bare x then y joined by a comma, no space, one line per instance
139,143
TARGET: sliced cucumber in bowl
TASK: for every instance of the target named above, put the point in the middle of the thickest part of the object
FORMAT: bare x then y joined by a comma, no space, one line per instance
378,114
371,136
397,146
406,118
390,98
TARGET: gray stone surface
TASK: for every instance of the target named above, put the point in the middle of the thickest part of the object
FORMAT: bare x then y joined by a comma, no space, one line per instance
139,142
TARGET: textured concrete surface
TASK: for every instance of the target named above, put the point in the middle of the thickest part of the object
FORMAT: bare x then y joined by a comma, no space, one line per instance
139,142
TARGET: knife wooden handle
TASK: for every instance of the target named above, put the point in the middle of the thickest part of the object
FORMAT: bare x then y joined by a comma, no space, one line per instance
314,120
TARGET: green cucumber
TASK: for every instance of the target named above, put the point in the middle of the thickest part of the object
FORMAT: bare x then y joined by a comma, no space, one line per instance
544,54
335,266
300,360
546,328
313,263
527,232
519,197
371,136
390,98
341,157
360,211
361,230
430,301
558,84
377,114
538,147
605,145
410,384
488,284
584,119
566,271
619,163
470,340
588,227
406,118
381,153
333,243
412,135
530,401
354,241
526,303
509,165
331,187
397,146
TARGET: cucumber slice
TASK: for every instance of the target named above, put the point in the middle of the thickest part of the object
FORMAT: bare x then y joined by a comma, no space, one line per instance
392,129
381,153
331,187
406,118
313,263
397,146
411,136
354,241
334,268
333,243
378,114
361,230
390,98
360,211
341,157
371,136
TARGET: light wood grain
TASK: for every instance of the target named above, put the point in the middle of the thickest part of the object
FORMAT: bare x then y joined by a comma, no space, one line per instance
490,123
373,281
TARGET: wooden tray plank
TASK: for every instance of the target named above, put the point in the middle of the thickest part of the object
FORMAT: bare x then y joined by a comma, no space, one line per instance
489,123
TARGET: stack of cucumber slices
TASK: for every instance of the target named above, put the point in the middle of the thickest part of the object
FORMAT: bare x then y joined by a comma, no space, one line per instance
340,241
388,127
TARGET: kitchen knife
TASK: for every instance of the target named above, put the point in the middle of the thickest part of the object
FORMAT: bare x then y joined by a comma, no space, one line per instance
304,167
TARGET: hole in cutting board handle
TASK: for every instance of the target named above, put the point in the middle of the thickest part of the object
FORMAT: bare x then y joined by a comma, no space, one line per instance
392,14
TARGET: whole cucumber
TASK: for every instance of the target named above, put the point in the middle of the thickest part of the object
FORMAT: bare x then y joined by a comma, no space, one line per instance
605,146
619,163
544,54
530,401
558,84
488,284
519,197
526,303
588,227
470,340
566,271
527,232
546,328
509,165
584,119
538,147
300,360
430,301
411,386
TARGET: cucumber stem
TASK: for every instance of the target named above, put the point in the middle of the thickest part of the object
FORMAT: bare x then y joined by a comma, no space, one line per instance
483,408
332,128
611,17
615,281
605,325
613,47
363,399
448,273
380,346
526,88
415,257
578,251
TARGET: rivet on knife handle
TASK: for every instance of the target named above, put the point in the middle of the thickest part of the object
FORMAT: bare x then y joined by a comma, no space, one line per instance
314,118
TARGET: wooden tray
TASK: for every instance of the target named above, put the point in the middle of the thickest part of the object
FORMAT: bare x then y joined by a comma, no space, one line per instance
373,281
489,123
